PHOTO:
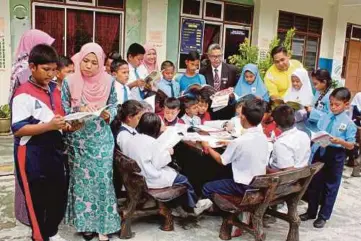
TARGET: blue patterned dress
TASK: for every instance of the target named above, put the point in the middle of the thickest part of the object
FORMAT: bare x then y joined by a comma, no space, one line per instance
92,205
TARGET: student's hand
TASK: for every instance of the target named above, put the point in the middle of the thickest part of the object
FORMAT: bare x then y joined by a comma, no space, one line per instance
223,143
140,83
57,123
89,108
205,144
105,115
229,126
163,128
171,151
308,108
337,141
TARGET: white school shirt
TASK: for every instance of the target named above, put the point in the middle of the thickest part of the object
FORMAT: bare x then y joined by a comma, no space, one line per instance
124,136
152,162
248,155
119,88
141,70
193,121
291,149
238,128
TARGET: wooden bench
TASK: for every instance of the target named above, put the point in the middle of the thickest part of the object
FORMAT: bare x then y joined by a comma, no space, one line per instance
138,194
267,190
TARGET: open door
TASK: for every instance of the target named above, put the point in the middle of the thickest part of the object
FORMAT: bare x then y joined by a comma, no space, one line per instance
233,36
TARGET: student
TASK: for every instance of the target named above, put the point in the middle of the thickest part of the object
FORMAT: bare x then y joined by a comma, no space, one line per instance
65,67
292,148
167,84
301,90
191,111
137,71
325,184
250,82
321,101
356,109
120,70
171,111
203,105
126,121
37,121
154,161
247,159
191,76
109,60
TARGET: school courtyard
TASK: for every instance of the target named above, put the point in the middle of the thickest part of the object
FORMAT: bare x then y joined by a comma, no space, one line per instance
345,223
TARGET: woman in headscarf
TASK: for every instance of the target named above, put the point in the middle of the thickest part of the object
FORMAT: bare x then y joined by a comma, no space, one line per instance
92,206
250,82
150,58
20,73
301,90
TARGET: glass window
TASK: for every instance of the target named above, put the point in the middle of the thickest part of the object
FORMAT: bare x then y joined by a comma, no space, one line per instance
234,36
298,45
213,10
311,53
212,34
238,14
111,3
356,32
192,7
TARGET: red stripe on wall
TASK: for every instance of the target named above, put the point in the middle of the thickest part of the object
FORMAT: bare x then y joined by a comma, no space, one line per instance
29,202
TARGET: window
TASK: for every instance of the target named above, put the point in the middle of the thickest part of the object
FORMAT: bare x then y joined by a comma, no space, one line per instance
306,42
119,4
218,21
72,27
82,2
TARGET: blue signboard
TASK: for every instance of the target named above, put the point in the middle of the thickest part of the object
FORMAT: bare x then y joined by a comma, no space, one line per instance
191,37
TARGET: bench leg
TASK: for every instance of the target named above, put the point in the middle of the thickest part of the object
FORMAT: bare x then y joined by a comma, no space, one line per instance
293,233
225,233
164,211
257,221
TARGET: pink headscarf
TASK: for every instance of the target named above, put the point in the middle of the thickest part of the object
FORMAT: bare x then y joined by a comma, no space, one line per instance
31,38
93,90
150,67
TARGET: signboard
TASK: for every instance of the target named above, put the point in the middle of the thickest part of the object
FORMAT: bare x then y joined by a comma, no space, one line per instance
191,36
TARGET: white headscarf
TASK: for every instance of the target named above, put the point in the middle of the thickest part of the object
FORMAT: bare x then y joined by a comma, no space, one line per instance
304,96
356,101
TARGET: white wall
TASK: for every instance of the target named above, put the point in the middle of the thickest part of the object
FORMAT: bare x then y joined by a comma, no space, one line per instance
5,75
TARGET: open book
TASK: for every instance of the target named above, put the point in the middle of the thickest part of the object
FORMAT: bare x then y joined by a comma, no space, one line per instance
293,104
169,138
151,78
322,138
84,115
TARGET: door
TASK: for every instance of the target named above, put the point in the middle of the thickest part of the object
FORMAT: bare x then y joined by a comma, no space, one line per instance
353,72
233,37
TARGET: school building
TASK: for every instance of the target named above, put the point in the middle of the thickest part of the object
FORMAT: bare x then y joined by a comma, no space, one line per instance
328,32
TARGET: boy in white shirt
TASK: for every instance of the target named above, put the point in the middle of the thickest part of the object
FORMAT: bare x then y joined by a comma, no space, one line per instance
292,148
248,155
191,109
120,70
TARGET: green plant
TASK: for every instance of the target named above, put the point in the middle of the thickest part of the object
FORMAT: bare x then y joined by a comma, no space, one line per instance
249,54
5,111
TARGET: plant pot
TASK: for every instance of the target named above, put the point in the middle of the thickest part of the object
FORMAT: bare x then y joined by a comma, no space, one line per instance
4,125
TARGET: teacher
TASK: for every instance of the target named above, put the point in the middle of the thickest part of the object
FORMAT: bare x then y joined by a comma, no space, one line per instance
278,76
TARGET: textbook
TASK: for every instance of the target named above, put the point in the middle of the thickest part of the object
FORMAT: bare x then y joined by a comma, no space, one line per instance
322,138
169,138
85,115
295,105
151,78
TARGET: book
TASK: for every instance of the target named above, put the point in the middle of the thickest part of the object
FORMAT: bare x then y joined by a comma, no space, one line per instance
293,104
151,78
169,138
221,99
322,138
217,124
85,115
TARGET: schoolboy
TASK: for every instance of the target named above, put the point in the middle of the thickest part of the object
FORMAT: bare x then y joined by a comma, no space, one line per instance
120,70
37,121
137,71
325,184
247,159
191,111
170,113
65,67
203,104
167,84
292,148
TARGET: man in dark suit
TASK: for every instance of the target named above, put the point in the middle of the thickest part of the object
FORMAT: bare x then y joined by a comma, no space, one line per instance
221,76
218,74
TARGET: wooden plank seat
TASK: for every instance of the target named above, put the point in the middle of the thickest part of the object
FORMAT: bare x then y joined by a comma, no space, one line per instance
138,194
265,191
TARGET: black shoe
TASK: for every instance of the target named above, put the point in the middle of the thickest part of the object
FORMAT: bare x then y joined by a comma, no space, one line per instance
88,236
306,216
319,223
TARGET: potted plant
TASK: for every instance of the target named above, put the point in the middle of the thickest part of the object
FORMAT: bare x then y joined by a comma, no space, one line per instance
5,119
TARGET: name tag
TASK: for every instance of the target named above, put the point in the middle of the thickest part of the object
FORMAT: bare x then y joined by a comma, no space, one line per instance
320,106
342,127
253,90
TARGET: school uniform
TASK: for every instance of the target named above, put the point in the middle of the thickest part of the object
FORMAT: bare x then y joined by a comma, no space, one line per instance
170,123
39,159
139,72
325,184
291,149
193,121
186,81
125,134
170,87
153,164
320,108
138,93
123,92
247,159
205,117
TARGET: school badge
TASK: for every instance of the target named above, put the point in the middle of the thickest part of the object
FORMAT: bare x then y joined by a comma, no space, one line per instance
37,105
342,127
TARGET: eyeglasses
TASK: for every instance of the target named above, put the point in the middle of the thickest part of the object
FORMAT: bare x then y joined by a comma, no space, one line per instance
215,56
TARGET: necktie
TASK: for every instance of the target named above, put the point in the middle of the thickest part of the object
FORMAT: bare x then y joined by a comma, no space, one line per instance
136,73
125,97
217,81
328,130
171,89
